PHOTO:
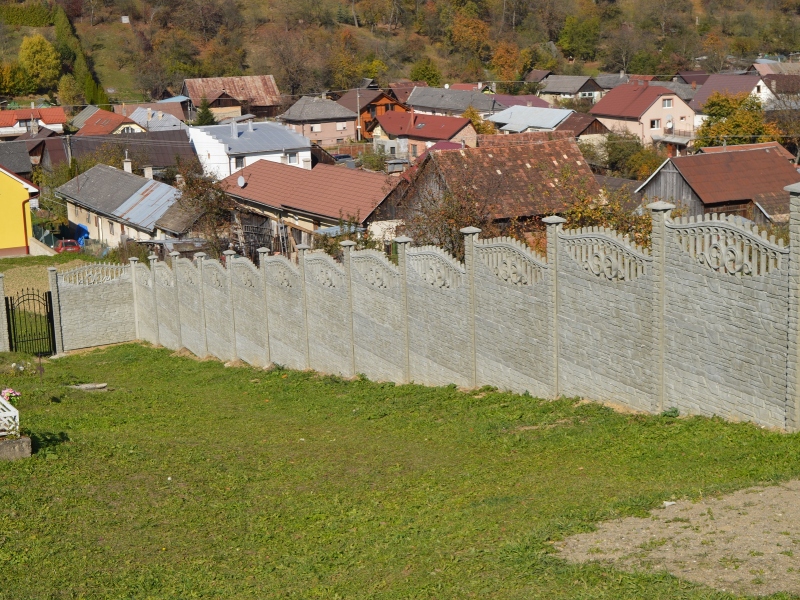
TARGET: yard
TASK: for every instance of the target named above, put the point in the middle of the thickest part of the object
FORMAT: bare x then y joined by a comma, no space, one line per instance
188,479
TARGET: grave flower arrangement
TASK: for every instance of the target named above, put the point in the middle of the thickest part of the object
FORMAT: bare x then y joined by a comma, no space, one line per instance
10,396
9,416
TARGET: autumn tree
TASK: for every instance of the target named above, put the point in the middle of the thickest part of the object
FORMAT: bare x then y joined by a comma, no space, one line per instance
470,35
426,70
507,61
732,120
69,92
41,61
481,125
207,198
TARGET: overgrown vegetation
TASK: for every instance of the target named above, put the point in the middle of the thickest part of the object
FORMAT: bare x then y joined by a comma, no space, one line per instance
189,479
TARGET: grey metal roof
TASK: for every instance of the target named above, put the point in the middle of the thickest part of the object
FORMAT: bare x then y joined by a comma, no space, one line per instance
158,121
14,157
114,193
608,81
564,84
313,108
453,101
265,136
163,148
684,91
524,117
80,119
176,99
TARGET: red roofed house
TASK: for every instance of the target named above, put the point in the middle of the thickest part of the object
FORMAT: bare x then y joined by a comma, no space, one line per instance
14,123
368,104
407,135
302,200
402,89
104,122
730,85
652,112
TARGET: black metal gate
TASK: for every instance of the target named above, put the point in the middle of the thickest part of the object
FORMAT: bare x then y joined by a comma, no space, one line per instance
31,328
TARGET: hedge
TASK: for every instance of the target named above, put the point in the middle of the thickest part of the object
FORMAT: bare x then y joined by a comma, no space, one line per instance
29,15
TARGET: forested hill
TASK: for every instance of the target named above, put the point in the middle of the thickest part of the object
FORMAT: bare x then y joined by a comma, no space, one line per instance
313,45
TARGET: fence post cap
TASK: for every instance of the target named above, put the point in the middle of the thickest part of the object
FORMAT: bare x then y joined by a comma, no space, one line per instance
133,260
303,247
403,239
660,206
470,230
174,253
347,244
554,220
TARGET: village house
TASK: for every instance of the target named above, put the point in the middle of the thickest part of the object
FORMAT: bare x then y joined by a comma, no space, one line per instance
280,207
441,101
114,205
401,90
369,104
104,122
156,149
519,119
537,75
775,146
508,100
696,78
16,228
764,67
731,85
747,183
14,123
407,135
168,108
651,112
14,157
225,149
325,122
254,94
156,120
570,87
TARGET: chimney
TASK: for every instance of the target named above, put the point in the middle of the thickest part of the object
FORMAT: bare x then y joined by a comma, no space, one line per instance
529,103
179,181
250,125
148,172
622,73
124,110
307,164
284,160
774,85
234,129
694,85
33,105
34,125
127,165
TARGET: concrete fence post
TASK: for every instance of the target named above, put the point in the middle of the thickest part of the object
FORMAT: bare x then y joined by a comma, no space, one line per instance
263,253
199,257
52,276
230,257
135,261
5,342
347,249
153,260
173,263
659,212
470,237
302,250
792,418
554,224
403,243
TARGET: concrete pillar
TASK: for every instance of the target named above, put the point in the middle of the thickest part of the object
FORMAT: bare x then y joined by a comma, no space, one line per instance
347,248
230,257
302,250
5,342
52,276
135,261
173,263
263,253
470,237
793,380
659,212
403,243
199,257
554,225
153,260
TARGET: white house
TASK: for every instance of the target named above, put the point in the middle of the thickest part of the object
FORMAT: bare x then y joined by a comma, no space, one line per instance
14,123
731,85
225,149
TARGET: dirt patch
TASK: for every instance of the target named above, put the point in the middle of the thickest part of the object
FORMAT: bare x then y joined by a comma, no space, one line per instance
20,278
746,543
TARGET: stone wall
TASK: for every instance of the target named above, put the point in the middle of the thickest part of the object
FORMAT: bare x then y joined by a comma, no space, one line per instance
706,320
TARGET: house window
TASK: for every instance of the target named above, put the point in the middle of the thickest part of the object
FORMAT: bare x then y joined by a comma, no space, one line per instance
373,111
413,149
666,103
240,162
683,119
26,124
341,126
758,89
111,228
587,94
339,140
316,128
389,107
292,158
126,130
655,123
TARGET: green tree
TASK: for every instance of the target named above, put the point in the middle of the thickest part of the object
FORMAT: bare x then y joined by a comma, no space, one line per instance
41,61
481,126
580,38
204,114
426,70
734,120
69,92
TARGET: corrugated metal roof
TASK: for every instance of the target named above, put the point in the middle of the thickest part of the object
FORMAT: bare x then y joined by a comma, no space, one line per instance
264,137
147,204
314,108
531,116
455,101
79,120
158,121
174,99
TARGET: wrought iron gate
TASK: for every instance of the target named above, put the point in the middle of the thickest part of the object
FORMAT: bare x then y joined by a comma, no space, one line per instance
31,328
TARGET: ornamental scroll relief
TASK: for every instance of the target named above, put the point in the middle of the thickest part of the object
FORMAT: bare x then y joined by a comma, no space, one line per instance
375,269
245,274
436,267
606,254
729,245
281,271
327,273
214,274
510,262
187,272
163,275
94,274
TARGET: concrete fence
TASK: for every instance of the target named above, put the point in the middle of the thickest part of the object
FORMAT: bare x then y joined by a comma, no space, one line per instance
705,321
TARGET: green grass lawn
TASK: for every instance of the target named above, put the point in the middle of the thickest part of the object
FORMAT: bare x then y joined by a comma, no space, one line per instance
192,480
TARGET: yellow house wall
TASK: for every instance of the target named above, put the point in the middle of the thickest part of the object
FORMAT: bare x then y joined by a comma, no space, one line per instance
13,238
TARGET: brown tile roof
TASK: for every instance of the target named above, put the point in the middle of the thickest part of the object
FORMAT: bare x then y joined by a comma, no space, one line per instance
425,127
161,148
744,147
536,75
728,176
775,205
783,84
725,84
178,219
257,90
103,122
578,123
629,101
516,139
355,99
523,180
402,89
697,77
325,190
168,108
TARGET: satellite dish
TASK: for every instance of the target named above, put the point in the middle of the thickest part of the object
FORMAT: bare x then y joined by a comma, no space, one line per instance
241,181
669,121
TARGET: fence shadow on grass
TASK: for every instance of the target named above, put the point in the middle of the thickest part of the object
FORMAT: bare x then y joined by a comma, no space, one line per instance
45,440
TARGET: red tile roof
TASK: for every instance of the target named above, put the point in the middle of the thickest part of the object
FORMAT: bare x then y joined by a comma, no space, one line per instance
579,122
725,84
516,139
629,101
744,147
103,122
325,190
49,116
424,127
729,176
439,146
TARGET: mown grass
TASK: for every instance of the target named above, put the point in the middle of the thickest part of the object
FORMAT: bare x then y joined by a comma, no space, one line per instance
192,480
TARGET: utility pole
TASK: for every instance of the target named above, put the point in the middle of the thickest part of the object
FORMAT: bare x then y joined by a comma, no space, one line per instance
358,114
